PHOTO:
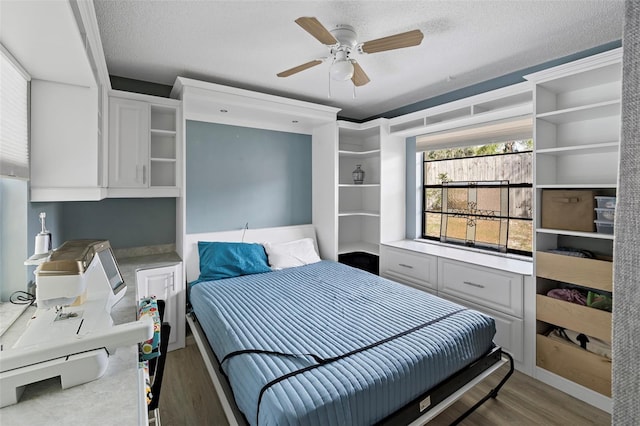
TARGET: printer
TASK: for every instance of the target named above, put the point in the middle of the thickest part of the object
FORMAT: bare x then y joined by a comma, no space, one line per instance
71,334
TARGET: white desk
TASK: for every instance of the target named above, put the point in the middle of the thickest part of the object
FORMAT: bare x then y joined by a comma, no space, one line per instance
116,398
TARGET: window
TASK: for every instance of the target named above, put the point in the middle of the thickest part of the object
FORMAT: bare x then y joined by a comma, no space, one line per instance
14,127
14,172
480,196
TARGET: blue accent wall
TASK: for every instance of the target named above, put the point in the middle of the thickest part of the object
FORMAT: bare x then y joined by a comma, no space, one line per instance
125,222
238,175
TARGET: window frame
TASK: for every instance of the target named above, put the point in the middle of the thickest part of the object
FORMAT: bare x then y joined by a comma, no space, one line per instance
480,246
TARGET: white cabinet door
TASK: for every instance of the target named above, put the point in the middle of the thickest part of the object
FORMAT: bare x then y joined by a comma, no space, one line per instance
165,283
128,143
509,329
66,155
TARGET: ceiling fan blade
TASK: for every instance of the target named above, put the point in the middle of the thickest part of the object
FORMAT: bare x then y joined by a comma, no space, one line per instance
398,41
359,78
299,68
316,29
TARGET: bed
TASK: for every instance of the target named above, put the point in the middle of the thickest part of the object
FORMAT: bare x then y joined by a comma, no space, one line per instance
322,343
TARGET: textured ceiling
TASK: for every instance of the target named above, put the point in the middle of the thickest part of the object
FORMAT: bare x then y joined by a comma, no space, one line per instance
246,43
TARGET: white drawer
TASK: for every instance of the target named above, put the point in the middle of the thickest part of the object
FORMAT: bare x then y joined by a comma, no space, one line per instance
491,288
408,267
509,330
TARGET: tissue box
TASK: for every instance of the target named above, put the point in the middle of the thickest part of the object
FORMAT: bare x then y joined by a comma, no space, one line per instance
571,210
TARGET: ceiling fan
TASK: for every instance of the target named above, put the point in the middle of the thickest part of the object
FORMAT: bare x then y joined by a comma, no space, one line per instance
342,43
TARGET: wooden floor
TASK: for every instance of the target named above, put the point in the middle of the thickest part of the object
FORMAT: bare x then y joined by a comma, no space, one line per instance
188,398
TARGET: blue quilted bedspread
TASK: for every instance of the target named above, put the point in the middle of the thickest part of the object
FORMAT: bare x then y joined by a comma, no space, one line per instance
326,310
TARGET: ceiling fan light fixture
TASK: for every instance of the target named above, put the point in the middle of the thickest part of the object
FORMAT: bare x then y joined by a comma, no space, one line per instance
342,70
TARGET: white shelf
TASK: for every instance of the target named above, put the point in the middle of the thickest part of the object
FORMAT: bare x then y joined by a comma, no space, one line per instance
37,259
575,233
582,113
369,153
578,186
596,148
166,160
359,185
359,246
163,132
359,213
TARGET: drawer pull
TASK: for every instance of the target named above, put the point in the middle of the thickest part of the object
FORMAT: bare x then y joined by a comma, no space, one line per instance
473,284
405,266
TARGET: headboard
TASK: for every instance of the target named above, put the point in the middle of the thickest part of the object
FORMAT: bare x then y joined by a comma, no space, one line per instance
274,235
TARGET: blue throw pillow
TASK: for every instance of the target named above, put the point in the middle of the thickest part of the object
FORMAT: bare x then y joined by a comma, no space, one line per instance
220,260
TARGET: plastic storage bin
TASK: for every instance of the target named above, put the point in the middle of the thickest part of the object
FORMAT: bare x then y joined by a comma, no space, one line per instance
606,202
605,215
604,227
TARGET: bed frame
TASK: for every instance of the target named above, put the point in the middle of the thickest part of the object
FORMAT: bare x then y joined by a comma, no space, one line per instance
417,412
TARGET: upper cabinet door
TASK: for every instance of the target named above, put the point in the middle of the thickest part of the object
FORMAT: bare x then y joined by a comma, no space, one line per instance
128,143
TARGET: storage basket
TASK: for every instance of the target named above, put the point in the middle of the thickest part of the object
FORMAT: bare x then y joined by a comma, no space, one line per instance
571,210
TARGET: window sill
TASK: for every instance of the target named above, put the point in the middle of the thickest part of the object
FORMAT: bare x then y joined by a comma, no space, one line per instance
504,261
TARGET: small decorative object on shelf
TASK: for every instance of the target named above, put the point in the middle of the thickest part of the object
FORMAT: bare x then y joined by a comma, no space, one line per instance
358,175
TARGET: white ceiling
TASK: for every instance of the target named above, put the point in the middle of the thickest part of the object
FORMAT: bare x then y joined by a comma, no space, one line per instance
246,43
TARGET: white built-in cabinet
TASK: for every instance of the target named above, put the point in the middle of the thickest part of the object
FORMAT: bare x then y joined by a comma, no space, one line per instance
369,212
358,204
67,158
577,139
165,283
68,100
474,280
144,146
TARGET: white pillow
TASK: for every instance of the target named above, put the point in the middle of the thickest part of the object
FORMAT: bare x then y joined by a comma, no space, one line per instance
293,253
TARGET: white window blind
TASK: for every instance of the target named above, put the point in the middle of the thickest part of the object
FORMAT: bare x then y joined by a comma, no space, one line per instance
14,117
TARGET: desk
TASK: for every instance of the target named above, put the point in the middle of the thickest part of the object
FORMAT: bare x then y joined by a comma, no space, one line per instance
117,398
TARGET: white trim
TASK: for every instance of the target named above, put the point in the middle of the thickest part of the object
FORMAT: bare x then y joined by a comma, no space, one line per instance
225,395
609,57
577,391
502,261
15,62
511,101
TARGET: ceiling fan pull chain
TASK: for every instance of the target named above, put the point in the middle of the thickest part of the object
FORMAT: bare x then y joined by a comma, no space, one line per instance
354,91
329,91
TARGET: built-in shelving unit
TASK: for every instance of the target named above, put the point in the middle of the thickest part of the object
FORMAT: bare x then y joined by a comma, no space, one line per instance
144,146
504,103
371,212
163,146
577,138
359,204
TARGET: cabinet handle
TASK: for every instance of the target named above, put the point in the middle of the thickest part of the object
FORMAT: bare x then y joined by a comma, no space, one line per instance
405,266
144,175
473,284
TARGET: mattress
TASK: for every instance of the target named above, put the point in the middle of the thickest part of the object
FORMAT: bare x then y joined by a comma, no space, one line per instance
328,344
